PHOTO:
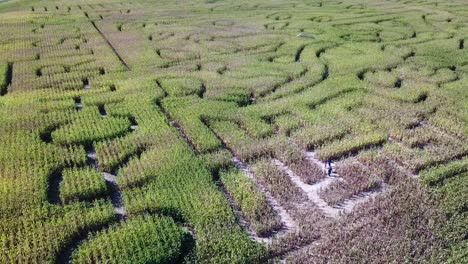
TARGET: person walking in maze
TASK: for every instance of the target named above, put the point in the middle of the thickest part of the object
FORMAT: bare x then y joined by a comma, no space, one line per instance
330,168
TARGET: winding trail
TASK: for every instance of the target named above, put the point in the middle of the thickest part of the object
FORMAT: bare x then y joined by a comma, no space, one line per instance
111,183
313,190
237,212
349,204
288,223
115,194
110,179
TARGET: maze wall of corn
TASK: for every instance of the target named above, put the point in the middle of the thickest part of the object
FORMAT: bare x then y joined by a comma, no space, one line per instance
233,131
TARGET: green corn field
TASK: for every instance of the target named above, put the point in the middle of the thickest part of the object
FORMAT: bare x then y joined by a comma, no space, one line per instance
222,131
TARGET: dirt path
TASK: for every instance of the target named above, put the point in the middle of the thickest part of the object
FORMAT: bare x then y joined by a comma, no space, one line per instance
110,179
288,223
241,166
313,190
116,195
349,204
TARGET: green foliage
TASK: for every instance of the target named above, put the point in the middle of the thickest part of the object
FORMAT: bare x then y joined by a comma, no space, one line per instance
235,138
361,56
87,131
190,120
81,184
217,161
144,239
47,231
112,153
349,145
181,86
315,136
452,195
433,176
251,202
167,189
171,95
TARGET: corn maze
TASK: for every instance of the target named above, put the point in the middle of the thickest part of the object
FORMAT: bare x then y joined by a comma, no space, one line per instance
225,131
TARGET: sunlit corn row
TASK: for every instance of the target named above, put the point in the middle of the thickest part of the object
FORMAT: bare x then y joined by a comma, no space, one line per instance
143,83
